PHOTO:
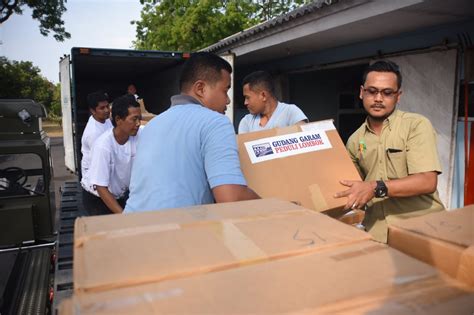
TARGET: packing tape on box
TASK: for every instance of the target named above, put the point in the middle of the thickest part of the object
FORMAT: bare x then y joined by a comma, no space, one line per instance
241,247
117,305
317,197
126,232
359,252
466,267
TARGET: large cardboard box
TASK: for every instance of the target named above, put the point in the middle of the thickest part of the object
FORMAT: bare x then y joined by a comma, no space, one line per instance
360,278
154,247
302,164
99,226
443,239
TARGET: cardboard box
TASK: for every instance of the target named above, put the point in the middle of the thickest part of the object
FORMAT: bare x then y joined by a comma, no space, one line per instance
182,245
353,217
65,307
361,278
444,240
302,164
98,226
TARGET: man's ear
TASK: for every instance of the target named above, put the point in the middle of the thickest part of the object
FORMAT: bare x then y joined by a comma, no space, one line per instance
399,95
361,91
199,88
263,95
117,120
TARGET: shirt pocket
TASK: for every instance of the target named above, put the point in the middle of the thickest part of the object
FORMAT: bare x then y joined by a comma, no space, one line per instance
397,166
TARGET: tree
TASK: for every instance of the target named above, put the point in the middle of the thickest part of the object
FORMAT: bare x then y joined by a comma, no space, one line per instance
48,13
20,79
268,9
55,107
188,25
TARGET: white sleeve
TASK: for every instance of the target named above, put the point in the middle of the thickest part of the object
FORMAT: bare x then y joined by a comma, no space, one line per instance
85,145
100,166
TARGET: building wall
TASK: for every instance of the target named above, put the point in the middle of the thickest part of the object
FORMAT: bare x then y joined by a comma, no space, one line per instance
316,82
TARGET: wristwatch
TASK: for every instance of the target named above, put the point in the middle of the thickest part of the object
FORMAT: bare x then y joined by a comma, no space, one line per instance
381,189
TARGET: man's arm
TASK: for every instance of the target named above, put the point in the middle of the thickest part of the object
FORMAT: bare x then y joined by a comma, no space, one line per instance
359,192
229,193
302,122
243,125
109,199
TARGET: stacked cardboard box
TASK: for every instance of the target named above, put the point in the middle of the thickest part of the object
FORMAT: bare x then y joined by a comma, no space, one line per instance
302,164
444,240
360,278
157,246
255,257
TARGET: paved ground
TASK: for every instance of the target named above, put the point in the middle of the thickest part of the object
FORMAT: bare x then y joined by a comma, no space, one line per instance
61,173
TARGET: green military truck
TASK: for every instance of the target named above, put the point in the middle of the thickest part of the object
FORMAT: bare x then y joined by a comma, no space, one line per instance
28,229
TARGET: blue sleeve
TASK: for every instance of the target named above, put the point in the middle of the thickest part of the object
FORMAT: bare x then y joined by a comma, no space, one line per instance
221,156
244,125
295,114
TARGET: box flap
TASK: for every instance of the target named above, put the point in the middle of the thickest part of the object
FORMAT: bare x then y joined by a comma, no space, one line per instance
454,226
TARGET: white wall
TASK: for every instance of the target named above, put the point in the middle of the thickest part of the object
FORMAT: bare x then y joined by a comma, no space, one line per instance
429,89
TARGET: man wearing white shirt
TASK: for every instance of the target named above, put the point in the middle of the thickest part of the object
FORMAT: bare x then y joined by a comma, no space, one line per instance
266,111
98,123
112,157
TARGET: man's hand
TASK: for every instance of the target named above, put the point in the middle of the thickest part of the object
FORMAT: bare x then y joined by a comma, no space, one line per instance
358,194
109,199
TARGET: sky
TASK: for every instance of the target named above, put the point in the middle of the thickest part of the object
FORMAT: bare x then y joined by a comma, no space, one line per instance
91,23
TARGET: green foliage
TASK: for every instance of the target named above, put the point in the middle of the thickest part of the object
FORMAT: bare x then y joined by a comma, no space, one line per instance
48,13
268,9
55,106
20,79
189,25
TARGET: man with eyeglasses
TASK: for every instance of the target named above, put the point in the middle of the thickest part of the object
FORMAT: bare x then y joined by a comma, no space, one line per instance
395,153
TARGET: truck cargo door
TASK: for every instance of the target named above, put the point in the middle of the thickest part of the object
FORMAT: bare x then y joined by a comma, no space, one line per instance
66,108
230,108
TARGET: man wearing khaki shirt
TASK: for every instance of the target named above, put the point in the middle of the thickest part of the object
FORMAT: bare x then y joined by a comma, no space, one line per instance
395,153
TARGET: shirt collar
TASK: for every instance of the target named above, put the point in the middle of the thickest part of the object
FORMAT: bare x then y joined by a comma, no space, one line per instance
389,121
183,99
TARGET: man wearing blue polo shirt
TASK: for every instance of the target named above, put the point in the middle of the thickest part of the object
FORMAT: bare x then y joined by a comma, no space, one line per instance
188,154
266,111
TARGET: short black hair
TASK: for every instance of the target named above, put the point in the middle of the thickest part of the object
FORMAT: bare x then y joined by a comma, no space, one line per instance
261,79
384,66
121,105
202,66
94,98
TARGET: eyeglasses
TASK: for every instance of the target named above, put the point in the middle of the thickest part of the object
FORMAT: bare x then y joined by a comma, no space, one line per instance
372,92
